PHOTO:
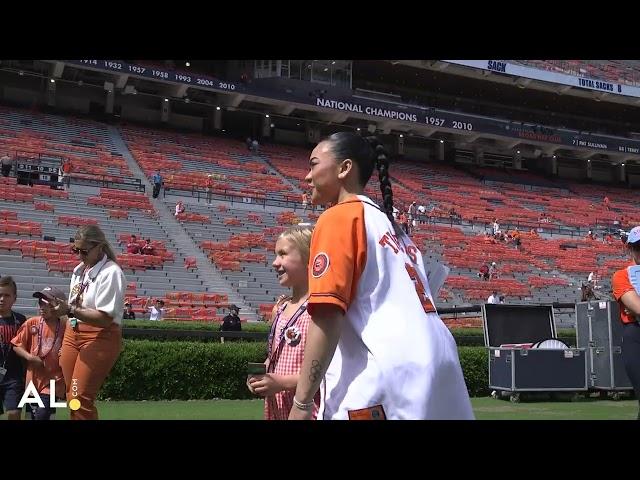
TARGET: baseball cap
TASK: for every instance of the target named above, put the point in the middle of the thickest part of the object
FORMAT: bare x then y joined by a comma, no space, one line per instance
634,235
234,307
49,293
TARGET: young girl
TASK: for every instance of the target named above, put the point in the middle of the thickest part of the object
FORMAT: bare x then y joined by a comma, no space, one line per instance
375,341
288,329
38,342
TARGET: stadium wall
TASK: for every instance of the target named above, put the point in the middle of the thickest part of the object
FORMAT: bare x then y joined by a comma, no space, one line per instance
290,137
132,112
573,173
19,96
634,180
186,122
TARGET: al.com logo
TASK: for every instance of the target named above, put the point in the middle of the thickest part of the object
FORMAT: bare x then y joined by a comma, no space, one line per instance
32,396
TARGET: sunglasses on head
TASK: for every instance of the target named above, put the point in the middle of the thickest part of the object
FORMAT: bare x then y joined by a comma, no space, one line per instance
82,251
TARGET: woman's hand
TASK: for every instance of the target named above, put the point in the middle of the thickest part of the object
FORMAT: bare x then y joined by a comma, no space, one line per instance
61,307
251,378
297,414
266,385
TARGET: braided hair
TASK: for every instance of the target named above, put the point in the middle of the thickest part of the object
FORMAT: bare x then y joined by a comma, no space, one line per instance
368,153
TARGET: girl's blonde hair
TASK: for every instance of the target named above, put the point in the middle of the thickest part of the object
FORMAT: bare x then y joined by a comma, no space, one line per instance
300,236
94,235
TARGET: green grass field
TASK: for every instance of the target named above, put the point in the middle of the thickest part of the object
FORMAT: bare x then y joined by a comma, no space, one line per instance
485,409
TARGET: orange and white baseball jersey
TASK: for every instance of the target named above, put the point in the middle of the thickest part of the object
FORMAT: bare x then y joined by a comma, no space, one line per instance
621,284
394,350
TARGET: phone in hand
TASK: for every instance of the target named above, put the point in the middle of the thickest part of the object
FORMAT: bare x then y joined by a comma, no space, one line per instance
256,368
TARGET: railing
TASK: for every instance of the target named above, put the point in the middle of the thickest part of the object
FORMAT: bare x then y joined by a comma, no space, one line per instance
109,181
233,196
215,334
38,157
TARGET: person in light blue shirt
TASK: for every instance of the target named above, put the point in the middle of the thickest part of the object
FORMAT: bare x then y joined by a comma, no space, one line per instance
157,183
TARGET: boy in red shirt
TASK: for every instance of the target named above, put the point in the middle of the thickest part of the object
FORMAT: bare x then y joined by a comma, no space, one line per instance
38,342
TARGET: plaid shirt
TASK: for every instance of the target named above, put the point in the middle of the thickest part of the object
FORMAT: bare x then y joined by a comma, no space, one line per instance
287,362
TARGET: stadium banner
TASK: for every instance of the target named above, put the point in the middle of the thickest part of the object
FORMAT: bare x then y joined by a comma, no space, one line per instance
599,85
159,73
379,109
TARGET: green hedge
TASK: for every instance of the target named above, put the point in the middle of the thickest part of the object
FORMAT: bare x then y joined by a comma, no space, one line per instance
155,370
152,370
475,366
465,337
173,325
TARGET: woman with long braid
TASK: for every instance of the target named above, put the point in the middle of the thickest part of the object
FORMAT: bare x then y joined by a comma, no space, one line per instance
376,347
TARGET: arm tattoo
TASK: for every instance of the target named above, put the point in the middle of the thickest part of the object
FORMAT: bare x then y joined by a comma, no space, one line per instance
315,371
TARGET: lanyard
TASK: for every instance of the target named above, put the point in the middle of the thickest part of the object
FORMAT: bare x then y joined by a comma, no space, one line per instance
83,286
5,355
273,354
85,283
55,338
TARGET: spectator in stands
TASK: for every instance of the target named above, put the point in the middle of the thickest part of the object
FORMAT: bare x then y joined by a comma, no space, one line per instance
249,143
489,239
606,203
157,311
493,271
255,145
147,248
288,335
210,185
496,227
587,293
494,297
12,373
67,169
365,270
231,323
422,211
6,163
626,292
179,208
534,233
395,212
592,279
591,235
608,239
128,314
38,343
404,221
501,299
515,235
483,272
133,246
93,340
453,215
157,184
411,212
305,200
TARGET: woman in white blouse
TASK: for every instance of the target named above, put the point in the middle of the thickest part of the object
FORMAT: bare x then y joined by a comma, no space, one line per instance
93,340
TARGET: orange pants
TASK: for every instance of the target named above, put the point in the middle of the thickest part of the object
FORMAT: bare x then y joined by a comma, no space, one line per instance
87,356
